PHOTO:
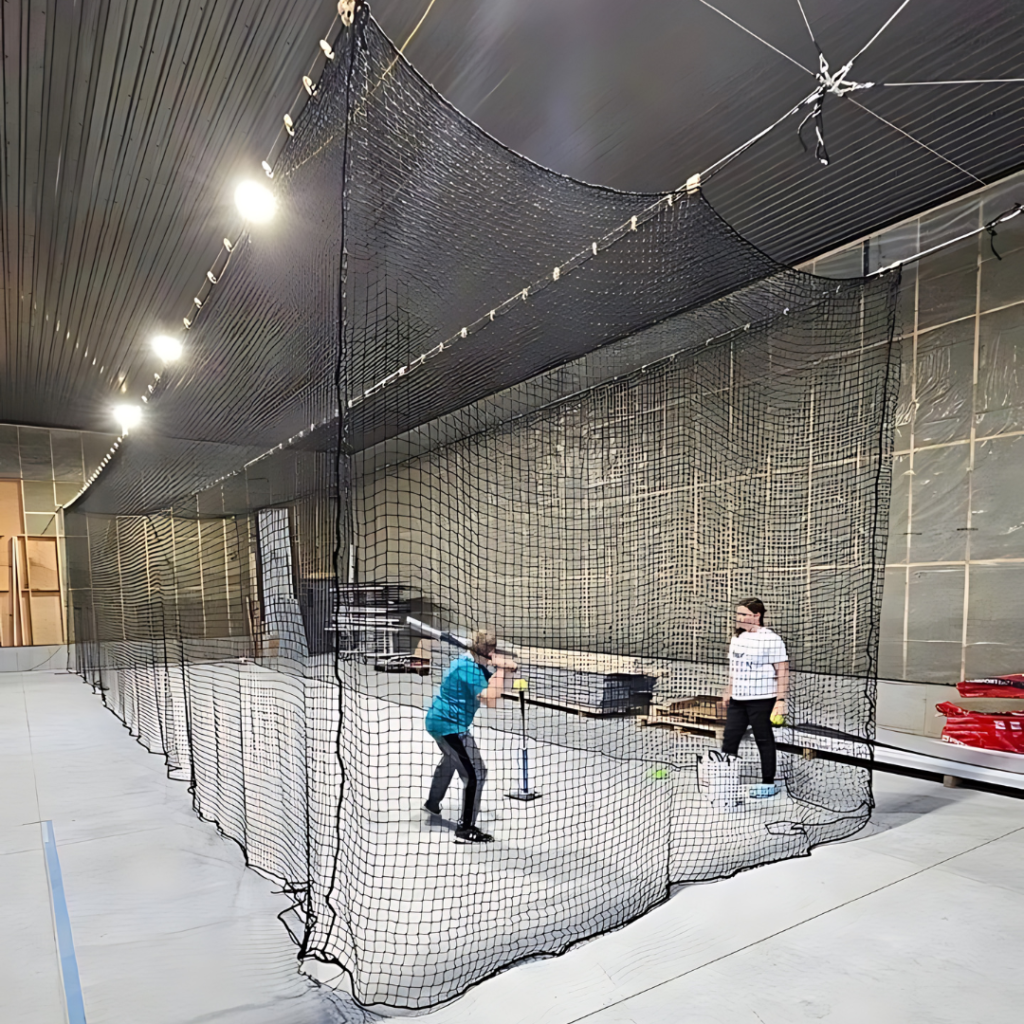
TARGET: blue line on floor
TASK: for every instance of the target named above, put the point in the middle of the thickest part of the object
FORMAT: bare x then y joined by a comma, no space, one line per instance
65,946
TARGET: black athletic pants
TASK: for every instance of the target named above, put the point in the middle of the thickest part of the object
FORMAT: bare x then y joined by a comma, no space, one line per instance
758,715
460,754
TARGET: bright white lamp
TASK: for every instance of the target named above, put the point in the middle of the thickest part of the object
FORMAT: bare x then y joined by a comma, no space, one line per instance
168,349
255,203
128,416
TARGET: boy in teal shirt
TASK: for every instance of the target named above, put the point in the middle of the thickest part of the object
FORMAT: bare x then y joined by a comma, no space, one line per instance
476,678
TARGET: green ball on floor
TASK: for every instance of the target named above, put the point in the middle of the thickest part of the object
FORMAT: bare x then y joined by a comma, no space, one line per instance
658,774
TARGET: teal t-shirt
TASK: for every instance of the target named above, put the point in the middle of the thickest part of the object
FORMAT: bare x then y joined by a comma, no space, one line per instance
452,710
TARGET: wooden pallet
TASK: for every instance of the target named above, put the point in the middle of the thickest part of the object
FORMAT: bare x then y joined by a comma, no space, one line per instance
702,715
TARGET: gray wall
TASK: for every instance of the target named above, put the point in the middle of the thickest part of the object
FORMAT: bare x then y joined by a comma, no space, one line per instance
955,563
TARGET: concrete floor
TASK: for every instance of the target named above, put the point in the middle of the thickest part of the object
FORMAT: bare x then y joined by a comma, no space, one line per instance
919,920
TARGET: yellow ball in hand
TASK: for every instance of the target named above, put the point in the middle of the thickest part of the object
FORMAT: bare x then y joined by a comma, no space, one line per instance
778,719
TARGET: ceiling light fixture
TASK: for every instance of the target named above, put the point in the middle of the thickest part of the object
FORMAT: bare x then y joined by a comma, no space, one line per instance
255,203
128,416
168,349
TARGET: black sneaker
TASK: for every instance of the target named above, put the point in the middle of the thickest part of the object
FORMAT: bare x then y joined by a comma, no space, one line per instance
436,811
472,835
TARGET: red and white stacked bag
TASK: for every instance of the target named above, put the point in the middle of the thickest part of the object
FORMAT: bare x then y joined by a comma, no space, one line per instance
989,714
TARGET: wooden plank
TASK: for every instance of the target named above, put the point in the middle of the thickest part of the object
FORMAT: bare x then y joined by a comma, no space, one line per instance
22,636
6,620
41,559
23,620
690,728
5,564
12,511
22,563
47,619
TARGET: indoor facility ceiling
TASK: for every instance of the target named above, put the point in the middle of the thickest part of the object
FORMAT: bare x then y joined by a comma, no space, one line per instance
128,123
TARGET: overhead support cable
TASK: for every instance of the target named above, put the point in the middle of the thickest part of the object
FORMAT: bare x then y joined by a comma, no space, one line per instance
954,81
918,142
718,164
871,41
810,31
744,28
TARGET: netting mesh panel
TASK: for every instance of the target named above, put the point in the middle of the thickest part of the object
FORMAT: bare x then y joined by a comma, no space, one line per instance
163,610
611,533
599,471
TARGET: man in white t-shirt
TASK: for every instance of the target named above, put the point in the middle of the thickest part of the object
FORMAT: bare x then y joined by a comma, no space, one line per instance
758,682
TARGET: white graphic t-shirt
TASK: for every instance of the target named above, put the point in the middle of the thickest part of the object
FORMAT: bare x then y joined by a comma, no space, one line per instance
752,657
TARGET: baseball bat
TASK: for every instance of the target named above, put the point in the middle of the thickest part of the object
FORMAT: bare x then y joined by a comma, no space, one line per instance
435,634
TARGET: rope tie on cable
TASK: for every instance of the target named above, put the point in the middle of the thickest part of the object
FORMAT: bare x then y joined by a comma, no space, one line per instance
828,83
990,227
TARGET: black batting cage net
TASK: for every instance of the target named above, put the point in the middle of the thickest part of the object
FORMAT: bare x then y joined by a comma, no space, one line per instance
449,386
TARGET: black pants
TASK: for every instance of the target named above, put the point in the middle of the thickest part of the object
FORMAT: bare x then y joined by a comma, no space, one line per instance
460,754
758,715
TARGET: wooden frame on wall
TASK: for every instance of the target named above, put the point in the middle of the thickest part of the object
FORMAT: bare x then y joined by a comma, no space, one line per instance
31,604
